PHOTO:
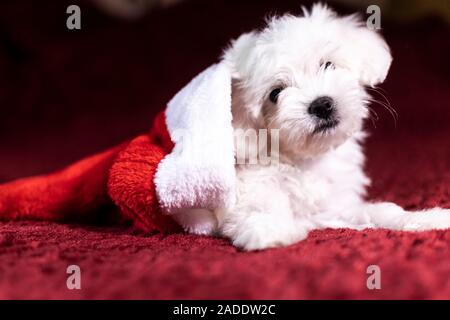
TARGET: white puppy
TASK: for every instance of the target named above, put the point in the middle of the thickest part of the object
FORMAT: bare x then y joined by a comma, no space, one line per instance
306,77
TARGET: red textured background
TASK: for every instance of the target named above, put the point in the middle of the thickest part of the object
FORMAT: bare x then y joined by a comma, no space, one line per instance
64,95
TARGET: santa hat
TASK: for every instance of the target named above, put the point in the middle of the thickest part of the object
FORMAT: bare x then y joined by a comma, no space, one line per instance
199,172
187,161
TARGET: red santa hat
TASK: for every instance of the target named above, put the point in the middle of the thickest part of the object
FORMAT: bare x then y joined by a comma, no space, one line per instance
187,161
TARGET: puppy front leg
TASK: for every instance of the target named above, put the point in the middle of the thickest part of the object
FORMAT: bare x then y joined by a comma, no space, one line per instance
391,216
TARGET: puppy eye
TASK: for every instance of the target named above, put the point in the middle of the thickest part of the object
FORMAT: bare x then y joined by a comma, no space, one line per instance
328,65
274,94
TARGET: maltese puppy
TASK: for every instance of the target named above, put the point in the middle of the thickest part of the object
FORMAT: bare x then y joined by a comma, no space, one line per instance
304,78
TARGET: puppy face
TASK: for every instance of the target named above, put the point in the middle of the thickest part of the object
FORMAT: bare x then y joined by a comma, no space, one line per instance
305,76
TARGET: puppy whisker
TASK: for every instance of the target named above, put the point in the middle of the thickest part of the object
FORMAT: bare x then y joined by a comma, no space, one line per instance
373,116
385,104
383,93
392,112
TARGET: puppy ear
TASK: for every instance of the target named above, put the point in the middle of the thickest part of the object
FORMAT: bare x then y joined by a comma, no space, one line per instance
237,56
364,51
367,53
199,172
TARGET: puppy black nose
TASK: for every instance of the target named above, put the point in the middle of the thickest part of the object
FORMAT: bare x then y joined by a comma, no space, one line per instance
322,107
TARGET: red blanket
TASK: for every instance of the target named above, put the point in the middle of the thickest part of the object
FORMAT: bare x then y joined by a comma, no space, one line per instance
409,163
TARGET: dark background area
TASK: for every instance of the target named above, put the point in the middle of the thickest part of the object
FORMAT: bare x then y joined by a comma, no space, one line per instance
65,94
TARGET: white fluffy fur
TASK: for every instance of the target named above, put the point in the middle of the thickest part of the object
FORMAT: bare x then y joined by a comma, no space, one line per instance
319,182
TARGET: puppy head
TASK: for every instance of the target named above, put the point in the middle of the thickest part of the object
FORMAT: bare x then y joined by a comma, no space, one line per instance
305,76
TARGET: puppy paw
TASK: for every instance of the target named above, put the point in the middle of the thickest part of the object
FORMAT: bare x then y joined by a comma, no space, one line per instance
197,221
259,233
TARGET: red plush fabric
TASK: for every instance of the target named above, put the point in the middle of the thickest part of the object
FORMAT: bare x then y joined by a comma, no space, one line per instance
131,185
113,77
